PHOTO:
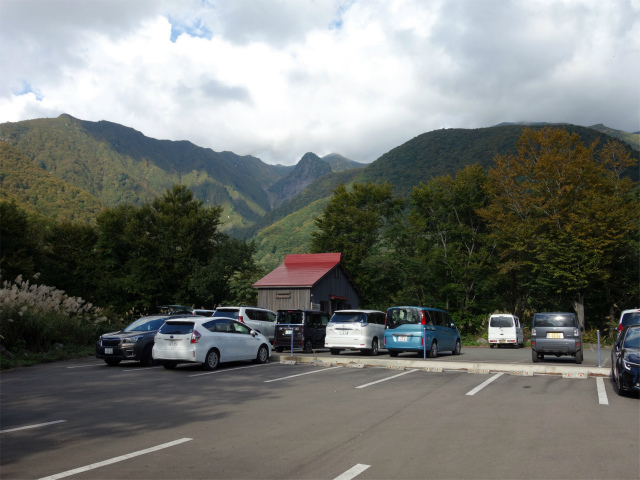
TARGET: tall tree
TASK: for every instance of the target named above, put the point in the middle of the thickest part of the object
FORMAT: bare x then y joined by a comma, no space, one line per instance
559,211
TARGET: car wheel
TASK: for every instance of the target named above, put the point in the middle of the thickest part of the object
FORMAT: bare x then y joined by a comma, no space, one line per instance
146,359
393,354
279,349
516,345
374,347
212,360
579,357
433,351
263,354
112,362
458,349
169,365
534,356
308,347
491,345
334,351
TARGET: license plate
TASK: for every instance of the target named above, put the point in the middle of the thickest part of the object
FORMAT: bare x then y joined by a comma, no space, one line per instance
402,339
288,332
555,335
344,332
108,351
501,340
173,344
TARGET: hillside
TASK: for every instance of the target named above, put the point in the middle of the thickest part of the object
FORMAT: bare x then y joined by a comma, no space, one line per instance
308,170
39,192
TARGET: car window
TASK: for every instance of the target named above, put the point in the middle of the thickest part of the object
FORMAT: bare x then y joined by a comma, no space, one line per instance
502,321
226,312
222,326
240,328
554,320
203,313
632,340
289,317
446,319
271,317
211,325
176,328
145,325
347,317
402,316
630,318
324,319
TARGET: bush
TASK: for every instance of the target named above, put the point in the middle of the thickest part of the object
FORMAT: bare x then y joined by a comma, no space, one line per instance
35,317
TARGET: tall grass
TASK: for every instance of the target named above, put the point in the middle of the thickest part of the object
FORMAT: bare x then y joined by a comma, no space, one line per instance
35,317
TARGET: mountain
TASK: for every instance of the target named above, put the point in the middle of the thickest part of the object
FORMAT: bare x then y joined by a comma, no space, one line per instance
308,170
339,163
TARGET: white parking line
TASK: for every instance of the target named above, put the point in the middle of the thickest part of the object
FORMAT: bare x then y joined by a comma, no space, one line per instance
300,374
144,369
353,472
602,393
115,460
484,384
31,426
92,365
388,378
231,369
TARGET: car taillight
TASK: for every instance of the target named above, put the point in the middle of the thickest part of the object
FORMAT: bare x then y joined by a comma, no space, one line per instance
620,327
240,319
423,319
575,332
195,337
385,341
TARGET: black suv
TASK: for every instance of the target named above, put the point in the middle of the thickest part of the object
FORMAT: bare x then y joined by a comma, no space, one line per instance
308,329
556,333
135,342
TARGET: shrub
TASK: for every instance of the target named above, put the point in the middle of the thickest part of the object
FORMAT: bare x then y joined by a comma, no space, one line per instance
35,317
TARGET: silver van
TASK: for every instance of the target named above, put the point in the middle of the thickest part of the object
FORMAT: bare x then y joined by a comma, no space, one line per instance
355,330
505,329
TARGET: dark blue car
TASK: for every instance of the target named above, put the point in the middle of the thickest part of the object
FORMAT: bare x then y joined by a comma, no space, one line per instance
420,330
625,360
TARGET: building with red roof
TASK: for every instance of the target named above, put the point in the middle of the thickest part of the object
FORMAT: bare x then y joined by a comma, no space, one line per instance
315,281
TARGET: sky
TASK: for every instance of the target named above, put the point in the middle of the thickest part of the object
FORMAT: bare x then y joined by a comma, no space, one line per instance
278,78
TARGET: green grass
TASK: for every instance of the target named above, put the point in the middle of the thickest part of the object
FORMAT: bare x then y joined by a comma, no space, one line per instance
27,359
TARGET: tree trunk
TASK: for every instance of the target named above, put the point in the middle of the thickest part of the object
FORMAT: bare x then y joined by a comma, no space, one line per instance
578,306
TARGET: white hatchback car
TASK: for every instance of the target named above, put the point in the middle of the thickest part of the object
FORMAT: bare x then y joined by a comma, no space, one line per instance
209,341
355,330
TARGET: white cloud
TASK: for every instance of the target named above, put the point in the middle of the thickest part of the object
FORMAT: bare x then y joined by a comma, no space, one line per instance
278,78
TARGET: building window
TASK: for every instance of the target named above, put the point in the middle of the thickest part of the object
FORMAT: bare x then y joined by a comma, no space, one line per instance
283,295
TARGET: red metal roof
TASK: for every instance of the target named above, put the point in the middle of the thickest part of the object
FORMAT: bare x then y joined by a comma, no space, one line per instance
303,270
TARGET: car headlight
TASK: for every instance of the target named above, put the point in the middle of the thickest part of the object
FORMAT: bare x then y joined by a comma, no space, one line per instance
628,365
132,339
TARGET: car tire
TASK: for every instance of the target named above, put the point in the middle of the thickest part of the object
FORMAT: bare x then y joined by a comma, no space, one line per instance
112,362
146,359
212,360
334,351
458,348
491,345
169,365
393,354
534,356
579,357
263,354
433,351
373,351
516,345
279,349
308,347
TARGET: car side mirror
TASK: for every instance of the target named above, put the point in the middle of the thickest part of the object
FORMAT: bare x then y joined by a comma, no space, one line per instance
581,329
254,333
452,325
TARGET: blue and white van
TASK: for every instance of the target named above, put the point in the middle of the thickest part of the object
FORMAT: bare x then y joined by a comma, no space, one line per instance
420,329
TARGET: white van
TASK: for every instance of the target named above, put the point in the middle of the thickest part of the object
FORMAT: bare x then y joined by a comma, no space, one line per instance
355,330
505,329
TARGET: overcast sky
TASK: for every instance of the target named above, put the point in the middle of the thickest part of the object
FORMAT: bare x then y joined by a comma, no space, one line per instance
279,78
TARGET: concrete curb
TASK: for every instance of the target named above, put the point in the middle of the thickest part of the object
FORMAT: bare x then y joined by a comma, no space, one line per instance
567,371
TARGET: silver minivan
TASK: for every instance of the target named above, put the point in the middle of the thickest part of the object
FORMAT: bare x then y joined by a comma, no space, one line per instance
355,330
505,329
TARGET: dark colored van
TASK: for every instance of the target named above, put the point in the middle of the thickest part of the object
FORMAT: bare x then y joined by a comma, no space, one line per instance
307,327
556,333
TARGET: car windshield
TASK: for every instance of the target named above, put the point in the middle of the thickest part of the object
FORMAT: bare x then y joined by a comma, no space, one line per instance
630,318
554,320
289,317
351,317
501,322
632,340
401,316
176,328
145,325
226,313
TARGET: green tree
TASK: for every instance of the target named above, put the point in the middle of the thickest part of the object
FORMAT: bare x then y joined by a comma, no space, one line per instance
560,212
355,224
19,243
455,256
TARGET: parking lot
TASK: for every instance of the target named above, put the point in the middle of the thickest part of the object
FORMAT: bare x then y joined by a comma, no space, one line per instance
84,419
